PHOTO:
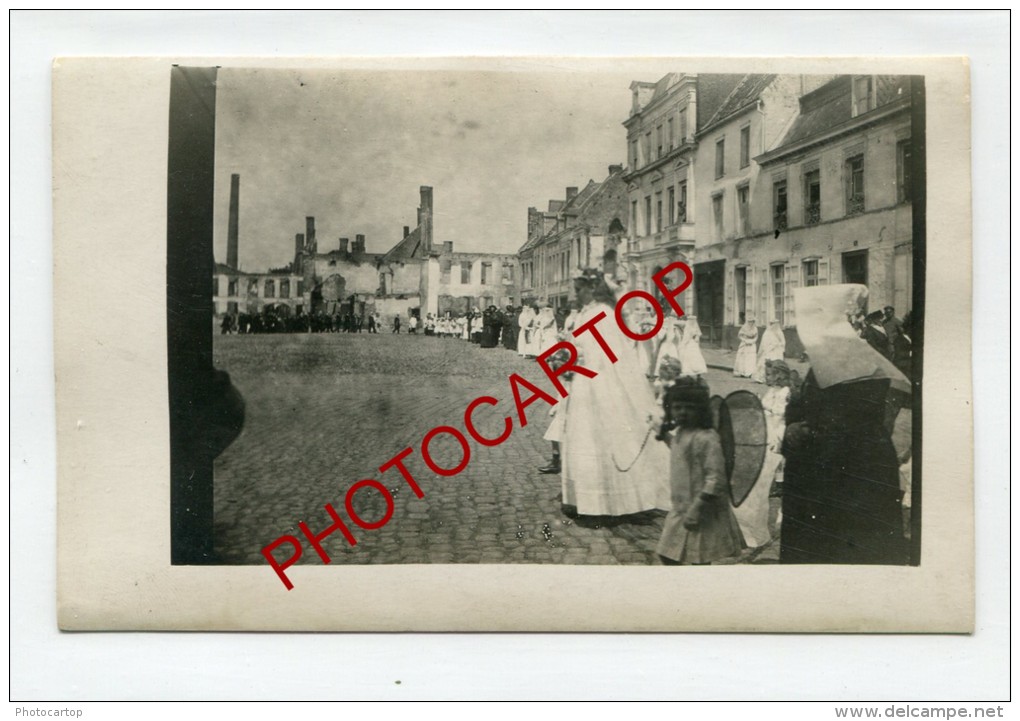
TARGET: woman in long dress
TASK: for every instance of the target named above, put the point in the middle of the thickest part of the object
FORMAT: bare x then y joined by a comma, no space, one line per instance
526,321
612,465
773,348
544,328
746,360
692,363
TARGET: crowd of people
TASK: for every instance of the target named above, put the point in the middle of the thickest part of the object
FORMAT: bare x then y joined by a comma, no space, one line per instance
637,433
828,453
273,320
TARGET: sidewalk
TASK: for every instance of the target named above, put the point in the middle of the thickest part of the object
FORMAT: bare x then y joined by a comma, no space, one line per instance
722,359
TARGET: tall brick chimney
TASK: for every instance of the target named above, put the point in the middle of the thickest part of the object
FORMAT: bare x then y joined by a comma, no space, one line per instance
425,222
310,234
299,246
235,192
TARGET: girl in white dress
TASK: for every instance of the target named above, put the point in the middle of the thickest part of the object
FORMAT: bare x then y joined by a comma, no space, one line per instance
773,348
692,363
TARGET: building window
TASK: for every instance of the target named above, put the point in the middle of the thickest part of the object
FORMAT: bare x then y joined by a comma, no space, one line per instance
659,138
658,212
720,158
633,215
215,285
855,185
681,206
812,197
683,126
648,215
810,268
779,205
745,146
717,220
863,95
486,273
300,288
232,287
672,205
285,288
778,291
855,267
740,286
669,125
465,274
634,154
508,273
743,197
270,288
903,171
253,286
648,147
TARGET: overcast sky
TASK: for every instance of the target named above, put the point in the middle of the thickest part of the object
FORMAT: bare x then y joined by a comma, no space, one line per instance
352,148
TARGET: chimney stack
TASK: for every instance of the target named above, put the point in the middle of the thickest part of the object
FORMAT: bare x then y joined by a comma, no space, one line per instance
235,192
425,221
613,169
359,245
571,193
310,234
343,244
407,231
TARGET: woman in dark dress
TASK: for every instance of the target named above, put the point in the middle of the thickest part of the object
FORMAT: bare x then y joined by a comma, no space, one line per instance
841,493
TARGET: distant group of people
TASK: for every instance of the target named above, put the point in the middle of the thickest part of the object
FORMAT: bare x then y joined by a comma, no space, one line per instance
271,320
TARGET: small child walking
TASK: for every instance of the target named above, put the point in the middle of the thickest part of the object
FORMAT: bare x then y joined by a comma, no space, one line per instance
700,528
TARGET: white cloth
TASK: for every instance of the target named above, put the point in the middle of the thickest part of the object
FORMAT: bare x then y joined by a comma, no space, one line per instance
612,464
837,355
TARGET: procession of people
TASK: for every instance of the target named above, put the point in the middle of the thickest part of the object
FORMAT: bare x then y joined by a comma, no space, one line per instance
641,433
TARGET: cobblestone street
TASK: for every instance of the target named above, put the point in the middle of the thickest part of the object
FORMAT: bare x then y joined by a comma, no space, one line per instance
326,410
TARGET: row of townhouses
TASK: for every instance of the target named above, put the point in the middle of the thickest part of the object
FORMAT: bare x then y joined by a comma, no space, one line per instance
761,183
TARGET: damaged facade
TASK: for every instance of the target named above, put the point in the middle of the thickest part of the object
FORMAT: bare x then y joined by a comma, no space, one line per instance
414,277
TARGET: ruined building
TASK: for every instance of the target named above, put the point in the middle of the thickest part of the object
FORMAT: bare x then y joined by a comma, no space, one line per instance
415,277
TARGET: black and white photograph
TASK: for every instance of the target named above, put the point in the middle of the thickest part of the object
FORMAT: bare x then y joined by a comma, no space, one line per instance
472,327
387,247
509,354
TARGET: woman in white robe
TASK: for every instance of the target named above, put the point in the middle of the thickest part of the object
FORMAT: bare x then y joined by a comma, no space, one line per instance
612,465
746,360
692,362
773,348
525,341
544,328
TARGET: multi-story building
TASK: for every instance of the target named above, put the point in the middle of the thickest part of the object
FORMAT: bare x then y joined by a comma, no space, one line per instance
583,230
662,130
784,181
825,198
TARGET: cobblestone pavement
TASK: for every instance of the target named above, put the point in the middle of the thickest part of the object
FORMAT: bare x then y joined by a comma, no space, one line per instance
326,410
